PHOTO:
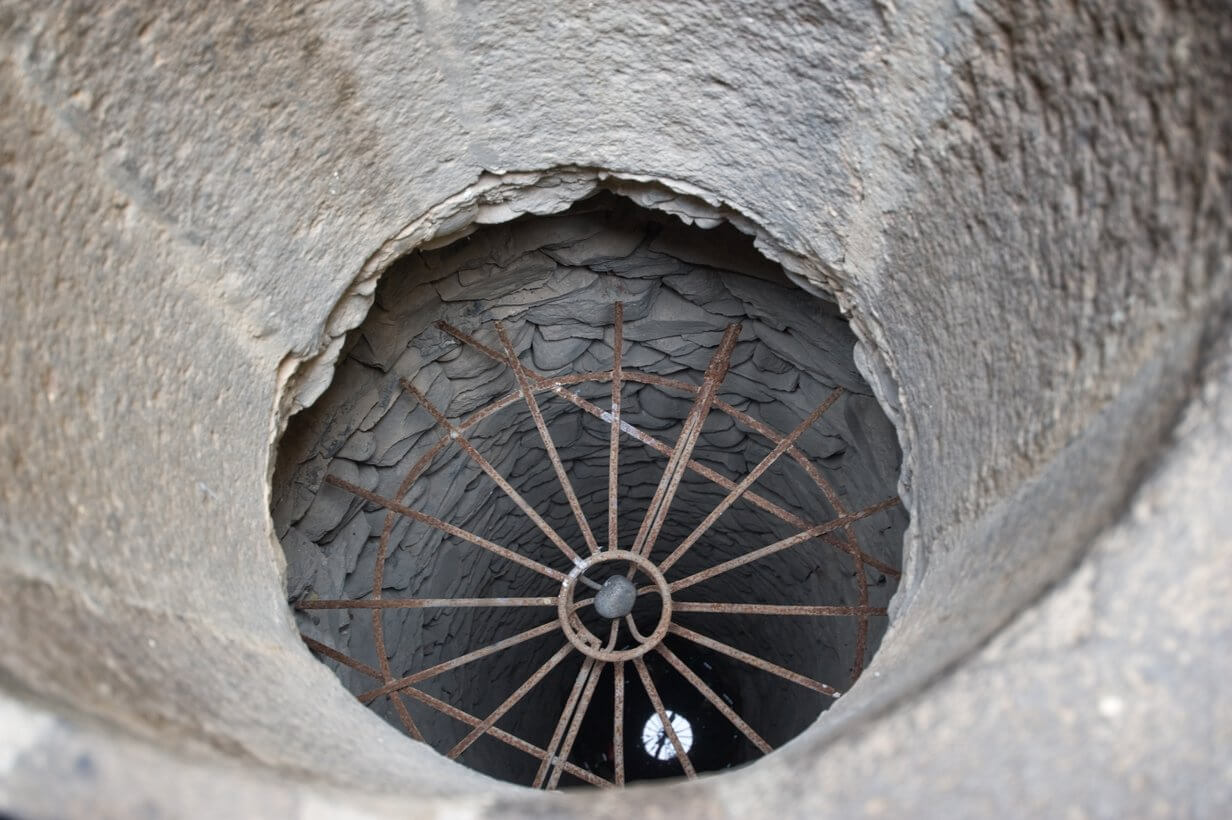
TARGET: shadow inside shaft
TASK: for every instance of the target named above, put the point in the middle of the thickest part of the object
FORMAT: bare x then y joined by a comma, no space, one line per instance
649,754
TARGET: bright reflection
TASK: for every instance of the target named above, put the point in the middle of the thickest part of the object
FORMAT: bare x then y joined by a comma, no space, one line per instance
655,740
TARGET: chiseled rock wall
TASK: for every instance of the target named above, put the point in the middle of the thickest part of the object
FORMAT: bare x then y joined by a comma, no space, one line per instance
553,281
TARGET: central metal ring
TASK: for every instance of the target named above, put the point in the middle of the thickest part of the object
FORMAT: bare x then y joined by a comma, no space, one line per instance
567,609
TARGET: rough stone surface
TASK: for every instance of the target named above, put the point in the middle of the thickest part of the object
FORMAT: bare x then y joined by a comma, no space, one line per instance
1022,205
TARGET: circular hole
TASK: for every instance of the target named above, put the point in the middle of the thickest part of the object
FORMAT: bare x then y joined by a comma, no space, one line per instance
451,515
658,743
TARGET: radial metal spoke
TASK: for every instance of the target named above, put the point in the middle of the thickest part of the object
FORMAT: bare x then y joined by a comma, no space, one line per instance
794,452
618,723
455,713
461,660
505,737
540,673
715,700
566,715
849,536
400,708
681,755
404,715
557,385
333,654
791,541
532,404
690,431
774,609
485,465
753,660
445,527
857,663
328,651
422,603
580,714
748,480
576,726
613,461
724,482
420,466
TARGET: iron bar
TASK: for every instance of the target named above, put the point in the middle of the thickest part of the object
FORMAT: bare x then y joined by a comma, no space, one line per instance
690,431
503,736
540,673
582,706
748,480
857,663
566,715
613,471
456,713
328,651
681,754
333,654
716,701
618,723
445,527
404,715
461,660
532,404
753,660
500,481
791,541
775,609
637,635
421,603
576,725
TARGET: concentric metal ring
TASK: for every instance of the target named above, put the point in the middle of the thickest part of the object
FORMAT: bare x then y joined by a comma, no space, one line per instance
567,614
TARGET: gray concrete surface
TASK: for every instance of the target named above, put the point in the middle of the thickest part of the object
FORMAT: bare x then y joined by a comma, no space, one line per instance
1023,206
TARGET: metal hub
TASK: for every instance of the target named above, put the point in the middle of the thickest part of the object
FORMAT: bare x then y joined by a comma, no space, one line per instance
616,597
592,645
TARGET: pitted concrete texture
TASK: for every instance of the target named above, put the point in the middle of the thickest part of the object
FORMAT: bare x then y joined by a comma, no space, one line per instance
1023,206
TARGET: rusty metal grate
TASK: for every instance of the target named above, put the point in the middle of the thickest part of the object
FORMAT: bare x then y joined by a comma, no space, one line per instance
614,598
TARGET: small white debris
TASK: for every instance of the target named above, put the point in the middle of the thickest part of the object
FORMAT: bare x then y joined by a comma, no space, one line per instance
1110,706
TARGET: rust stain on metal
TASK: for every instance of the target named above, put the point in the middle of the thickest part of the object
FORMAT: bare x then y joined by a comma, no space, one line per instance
462,660
618,723
613,456
690,432
532,404
501,482
420,603
753,660
776,609
519,693
741,488
445,527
